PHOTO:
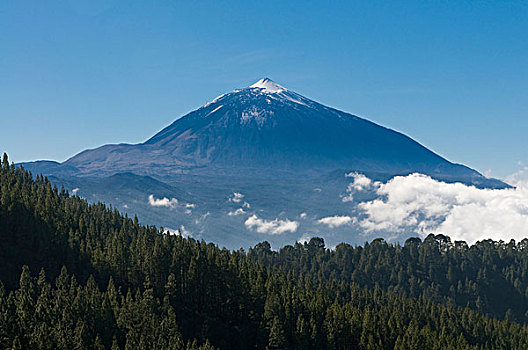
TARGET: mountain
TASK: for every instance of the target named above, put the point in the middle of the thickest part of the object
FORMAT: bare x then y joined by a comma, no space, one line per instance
268,126
249,165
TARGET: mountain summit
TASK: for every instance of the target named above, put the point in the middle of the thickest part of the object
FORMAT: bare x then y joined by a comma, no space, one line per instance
266,129
268,86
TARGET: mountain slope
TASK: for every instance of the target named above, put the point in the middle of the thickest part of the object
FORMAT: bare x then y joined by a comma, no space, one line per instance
268,126
260,163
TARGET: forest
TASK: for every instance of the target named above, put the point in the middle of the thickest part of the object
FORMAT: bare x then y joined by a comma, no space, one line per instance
75,275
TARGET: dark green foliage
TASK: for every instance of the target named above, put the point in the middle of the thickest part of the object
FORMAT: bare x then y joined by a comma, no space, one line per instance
490,277
79,276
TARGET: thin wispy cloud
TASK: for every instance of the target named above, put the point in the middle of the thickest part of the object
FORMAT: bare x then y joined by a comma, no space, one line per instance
520,177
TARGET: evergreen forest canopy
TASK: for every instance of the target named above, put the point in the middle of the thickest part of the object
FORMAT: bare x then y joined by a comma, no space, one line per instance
76,276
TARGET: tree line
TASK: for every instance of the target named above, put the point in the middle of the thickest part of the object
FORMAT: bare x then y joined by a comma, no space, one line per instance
490,276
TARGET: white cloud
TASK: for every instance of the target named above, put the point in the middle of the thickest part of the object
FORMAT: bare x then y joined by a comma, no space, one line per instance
335,221
360,180
182,231
418,204
239,211
171,231
303,215
164,202
305,238
236,197
273,227
190,205
360,183
520,177
74,191
349,197
202,218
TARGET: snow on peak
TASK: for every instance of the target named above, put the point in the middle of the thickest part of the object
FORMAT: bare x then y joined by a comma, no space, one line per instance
268,86
213,101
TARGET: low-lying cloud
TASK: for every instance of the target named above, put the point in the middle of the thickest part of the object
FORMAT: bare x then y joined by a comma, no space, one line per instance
335,221
237,212
360,183
305,238
182,231
236,197
418,204
273,227
163,202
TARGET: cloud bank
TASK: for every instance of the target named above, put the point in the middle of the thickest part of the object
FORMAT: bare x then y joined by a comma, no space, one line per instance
418,204
273,227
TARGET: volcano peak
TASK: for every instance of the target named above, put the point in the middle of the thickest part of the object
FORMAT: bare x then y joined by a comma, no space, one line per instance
269,86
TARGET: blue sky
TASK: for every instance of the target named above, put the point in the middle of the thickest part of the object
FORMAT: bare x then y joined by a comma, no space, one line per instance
452,75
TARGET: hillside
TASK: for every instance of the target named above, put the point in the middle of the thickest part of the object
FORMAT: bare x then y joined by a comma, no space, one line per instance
107,282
